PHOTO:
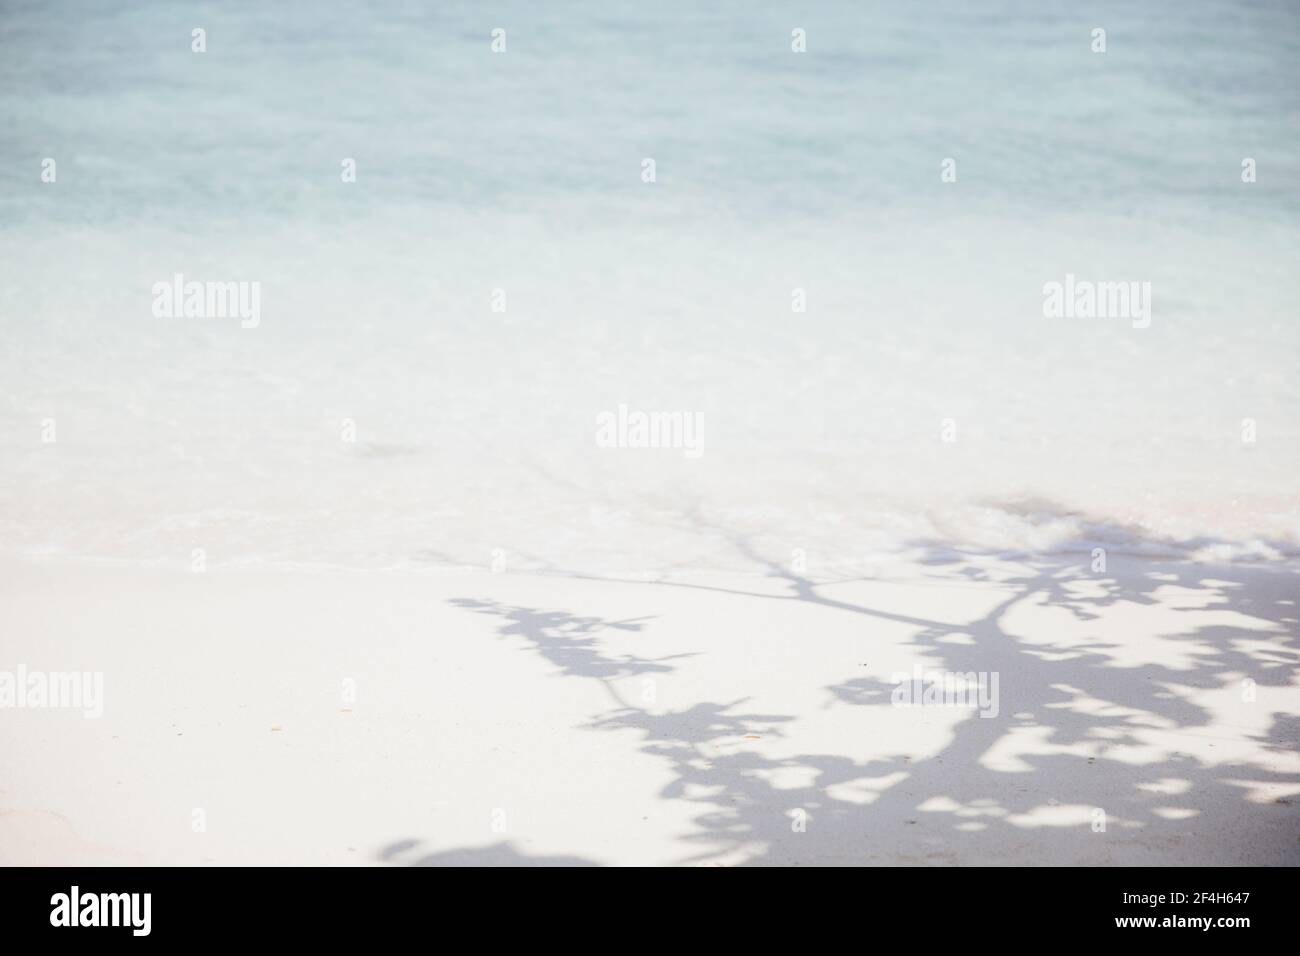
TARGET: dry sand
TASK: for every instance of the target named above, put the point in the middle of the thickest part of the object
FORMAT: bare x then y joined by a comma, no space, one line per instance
454,717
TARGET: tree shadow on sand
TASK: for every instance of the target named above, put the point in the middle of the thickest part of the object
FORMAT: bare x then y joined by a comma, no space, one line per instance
505,853
1079,730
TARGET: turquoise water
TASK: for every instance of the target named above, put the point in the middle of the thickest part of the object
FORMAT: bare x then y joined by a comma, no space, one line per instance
522,171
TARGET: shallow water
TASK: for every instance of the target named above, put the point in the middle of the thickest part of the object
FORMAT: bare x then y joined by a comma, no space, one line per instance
823,430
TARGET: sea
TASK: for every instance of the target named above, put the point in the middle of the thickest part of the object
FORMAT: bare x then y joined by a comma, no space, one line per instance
803,253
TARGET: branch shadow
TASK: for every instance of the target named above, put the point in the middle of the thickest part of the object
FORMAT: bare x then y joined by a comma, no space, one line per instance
1072,737
504,853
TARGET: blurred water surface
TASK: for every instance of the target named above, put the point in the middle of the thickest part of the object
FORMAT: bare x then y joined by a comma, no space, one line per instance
521,171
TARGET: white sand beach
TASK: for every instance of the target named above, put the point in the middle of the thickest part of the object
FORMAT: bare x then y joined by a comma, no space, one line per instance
516,718
938,560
